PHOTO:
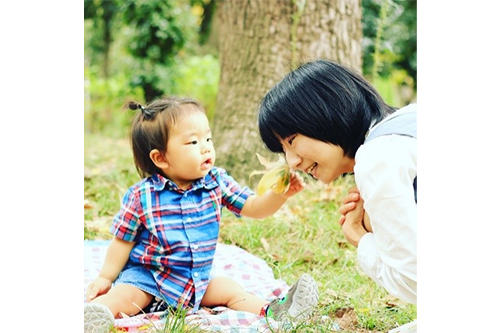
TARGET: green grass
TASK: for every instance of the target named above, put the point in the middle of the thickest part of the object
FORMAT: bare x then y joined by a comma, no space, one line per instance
303,236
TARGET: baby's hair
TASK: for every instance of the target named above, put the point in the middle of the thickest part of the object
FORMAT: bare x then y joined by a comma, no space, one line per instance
147,113
151,128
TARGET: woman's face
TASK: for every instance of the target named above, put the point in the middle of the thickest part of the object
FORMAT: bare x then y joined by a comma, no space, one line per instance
323,161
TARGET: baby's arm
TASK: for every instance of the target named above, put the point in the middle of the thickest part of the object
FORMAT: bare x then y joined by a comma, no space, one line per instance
265,205
116,258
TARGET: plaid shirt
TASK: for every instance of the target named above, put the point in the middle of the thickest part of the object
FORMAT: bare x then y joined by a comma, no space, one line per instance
175,231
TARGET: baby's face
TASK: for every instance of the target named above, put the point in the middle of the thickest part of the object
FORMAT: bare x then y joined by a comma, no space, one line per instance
190,151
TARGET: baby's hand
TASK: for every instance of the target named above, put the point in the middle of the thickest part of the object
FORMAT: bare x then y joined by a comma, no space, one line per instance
297,184
97,287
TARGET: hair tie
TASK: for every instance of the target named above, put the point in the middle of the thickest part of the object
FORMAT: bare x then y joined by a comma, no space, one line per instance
148,114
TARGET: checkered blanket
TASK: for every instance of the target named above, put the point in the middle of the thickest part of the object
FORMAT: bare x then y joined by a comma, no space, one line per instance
251,272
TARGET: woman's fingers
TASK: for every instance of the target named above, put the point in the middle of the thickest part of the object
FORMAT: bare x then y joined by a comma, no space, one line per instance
347,207
351,197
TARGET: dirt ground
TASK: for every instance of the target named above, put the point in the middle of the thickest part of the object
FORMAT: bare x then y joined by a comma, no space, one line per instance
348,321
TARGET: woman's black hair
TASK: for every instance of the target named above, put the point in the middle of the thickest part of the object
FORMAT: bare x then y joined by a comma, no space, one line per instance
324,101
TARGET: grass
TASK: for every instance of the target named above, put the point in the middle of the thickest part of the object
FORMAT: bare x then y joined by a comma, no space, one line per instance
303,236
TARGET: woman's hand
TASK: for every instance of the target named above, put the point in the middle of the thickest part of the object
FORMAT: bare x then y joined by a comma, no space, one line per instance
350,202
354,220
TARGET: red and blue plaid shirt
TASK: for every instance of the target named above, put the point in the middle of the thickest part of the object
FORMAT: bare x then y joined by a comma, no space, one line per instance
175,231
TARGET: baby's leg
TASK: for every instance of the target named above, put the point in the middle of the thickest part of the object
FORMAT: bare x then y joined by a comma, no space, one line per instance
227,292
122,297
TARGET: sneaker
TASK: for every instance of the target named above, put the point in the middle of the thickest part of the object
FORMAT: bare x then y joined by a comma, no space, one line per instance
97,318
299,303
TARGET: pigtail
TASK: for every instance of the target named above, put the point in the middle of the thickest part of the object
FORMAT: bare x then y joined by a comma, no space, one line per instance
146,113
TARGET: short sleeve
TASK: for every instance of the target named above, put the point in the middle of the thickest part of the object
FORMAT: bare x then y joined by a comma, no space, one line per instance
234,196
127,221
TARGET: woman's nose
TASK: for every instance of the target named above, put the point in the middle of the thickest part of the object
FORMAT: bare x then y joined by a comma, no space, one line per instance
292,159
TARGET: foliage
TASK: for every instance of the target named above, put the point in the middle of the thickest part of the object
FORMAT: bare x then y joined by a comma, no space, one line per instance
173,65
104,102
102,15
198,77
149,60
396,45
105,98
206,9
158,33
161,28
386,89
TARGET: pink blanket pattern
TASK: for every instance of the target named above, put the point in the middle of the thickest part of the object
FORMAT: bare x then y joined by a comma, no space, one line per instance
250,271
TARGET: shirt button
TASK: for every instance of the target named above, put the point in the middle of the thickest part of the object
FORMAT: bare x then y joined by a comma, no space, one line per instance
196,274
189,219
195,247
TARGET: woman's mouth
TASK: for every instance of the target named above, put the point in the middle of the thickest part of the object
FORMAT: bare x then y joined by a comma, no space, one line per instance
311,170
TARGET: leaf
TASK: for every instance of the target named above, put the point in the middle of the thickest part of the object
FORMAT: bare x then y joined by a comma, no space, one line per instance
275,177
87,204
271,165
264,161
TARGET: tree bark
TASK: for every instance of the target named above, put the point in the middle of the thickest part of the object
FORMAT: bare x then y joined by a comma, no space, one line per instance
259,42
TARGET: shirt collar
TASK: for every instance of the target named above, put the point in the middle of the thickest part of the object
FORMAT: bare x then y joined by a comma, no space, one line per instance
208,182
402,110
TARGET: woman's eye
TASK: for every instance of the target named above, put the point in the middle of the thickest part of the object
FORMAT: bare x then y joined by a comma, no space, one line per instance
290,140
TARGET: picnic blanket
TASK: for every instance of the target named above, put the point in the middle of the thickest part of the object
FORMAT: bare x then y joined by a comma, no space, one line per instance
250,271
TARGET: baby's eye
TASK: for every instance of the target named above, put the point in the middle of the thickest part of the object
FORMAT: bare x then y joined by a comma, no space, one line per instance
209,139
194,142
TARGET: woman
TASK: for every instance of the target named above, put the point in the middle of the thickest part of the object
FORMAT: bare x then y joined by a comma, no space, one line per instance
328,121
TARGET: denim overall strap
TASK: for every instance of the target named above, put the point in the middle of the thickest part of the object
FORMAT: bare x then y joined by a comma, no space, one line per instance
402,124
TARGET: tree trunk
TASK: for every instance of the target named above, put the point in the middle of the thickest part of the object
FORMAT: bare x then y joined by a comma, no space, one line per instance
259,42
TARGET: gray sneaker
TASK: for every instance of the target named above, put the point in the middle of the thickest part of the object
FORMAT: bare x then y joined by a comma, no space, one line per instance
97,318
299,303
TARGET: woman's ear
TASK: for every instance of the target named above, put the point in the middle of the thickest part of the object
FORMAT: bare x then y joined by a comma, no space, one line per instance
158,159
